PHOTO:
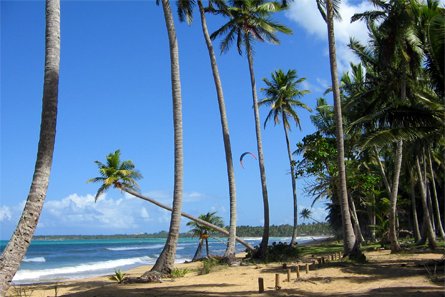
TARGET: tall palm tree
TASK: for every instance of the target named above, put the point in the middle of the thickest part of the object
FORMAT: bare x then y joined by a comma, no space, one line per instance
166,260
203,232
283,96
17,246
329,10
185,11
249,20
122,175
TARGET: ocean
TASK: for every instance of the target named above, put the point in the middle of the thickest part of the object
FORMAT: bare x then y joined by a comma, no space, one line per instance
57,260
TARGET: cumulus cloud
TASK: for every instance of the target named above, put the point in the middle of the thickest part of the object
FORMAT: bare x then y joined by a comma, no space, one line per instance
307,16
5,213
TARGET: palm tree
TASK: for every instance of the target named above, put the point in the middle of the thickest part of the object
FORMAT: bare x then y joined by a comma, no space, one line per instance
122,175
166,260
185,11
283,97
203,232
329,10
306,214
17,246
249,20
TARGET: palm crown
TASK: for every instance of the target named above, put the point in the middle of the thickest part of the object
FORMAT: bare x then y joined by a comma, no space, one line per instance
210,217
282,95
249,19
121,175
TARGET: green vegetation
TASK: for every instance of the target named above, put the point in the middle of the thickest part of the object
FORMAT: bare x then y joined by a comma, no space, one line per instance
179,272
209,265
118,276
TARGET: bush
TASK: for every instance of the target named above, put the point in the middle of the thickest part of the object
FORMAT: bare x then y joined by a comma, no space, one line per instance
178,272
278,252
208,265
118,276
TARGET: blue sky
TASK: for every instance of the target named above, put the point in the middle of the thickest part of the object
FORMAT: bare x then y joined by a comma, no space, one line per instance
114,93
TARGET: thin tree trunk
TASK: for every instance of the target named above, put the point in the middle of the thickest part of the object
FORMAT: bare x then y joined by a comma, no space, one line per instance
382,172
373,220
190,217
198,251
395,246
355,221
230,250
416,230
294,185
430,206
265,240
17,246
349,242
427,221
207,247
434,199
166,260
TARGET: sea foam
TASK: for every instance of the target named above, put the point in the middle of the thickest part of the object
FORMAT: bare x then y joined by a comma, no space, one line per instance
35,259
87,268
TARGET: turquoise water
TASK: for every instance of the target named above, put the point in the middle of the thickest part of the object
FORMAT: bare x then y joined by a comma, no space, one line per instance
53,260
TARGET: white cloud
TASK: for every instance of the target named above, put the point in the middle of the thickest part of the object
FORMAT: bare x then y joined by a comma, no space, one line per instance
5,213
306,15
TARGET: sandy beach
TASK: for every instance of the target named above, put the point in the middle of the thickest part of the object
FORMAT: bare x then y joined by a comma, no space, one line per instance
385,274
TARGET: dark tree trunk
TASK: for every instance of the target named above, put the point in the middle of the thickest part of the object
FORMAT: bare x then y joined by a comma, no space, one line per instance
17,246
198,251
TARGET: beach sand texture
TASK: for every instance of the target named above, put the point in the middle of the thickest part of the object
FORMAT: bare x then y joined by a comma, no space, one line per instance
385,274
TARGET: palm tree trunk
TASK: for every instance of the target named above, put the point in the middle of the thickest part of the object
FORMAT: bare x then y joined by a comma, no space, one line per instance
190,217
230,250
166,260
207,248
416,230
349,242
198,251
434,199
355,222
395,246
427,221
265,239
294,185
17,246
382,172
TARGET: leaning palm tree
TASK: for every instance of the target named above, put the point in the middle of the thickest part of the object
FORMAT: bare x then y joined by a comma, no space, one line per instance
203,232
185,12
306,214
17,246
329,11
249,20
283,96
122,175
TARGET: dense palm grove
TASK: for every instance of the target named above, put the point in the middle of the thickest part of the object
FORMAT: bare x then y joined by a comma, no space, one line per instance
377,157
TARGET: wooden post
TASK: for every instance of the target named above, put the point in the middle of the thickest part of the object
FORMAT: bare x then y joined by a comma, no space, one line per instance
277,281
288,275
307,268
323,261
298,271
260,285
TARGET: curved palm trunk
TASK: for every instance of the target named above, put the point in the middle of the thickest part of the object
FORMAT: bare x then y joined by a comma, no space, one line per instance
426,214
434,199
198,250
190,217
265,240
166,260
17,246
348,232
294,186
395,246
382,172
230,250
356,222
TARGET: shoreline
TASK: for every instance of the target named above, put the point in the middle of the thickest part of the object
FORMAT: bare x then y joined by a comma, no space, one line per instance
385,274
305,240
